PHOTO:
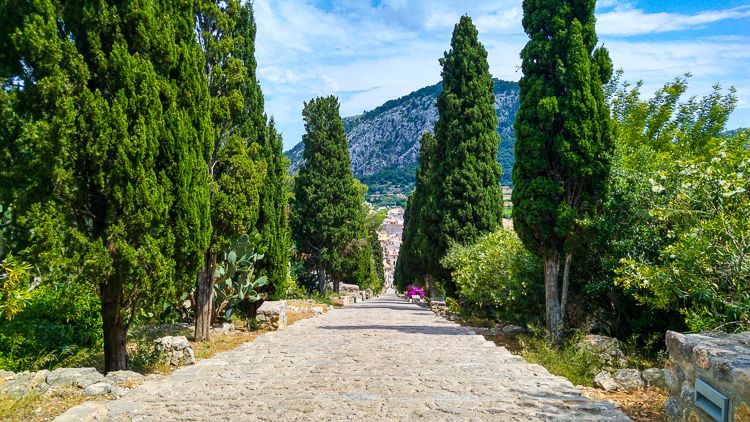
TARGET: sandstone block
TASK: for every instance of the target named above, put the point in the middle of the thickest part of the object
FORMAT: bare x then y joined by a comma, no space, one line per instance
272,314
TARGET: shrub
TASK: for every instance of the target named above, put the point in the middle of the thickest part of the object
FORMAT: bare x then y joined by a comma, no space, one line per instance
578,365
60,324
497,278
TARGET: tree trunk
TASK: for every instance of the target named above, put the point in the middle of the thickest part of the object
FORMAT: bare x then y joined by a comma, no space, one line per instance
336,283
321,280
553,315
115,332
204,298
566,284
429,285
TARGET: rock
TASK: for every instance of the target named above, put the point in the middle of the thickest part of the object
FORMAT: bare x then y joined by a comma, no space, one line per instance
225,328
605,381
348,288
514,330
6,374
80,377
654,377
176,350
629,379
97,389
607,348
272,314
123,378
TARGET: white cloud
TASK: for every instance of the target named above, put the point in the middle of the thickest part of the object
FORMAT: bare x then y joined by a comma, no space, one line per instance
626,20
369,54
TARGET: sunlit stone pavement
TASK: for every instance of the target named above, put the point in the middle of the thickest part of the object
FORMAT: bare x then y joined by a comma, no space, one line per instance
379,360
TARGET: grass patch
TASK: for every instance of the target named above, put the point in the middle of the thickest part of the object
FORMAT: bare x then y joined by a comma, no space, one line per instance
38,408
577,364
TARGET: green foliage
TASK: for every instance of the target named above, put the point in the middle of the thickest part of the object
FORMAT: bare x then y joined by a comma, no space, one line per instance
579,365
465,177
497,278
700,267
273,222
235,275
60,325
659,140
110,167
563,137
327,219
415,264
15,291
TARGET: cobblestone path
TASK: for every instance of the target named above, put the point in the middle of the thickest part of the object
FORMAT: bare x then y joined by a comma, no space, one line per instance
379,360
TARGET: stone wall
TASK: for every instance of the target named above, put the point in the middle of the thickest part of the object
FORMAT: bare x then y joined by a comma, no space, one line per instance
719,360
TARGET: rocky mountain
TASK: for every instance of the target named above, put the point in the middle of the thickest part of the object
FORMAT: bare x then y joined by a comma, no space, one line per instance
384,142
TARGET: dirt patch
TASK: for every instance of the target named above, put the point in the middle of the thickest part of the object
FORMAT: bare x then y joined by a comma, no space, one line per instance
644,405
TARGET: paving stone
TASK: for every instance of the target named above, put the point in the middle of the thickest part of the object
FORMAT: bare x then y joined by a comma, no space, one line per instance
378,360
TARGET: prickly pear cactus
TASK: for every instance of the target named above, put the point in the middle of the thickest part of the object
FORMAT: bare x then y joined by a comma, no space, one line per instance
235,275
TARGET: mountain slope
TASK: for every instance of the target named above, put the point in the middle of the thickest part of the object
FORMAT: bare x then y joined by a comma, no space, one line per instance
384,142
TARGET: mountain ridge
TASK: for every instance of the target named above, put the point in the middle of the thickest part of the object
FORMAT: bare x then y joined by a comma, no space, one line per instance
384,142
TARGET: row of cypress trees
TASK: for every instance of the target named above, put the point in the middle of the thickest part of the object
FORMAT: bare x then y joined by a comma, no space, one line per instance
135,147
562,153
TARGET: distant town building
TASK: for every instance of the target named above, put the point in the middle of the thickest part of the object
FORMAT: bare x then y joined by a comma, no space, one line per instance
390,240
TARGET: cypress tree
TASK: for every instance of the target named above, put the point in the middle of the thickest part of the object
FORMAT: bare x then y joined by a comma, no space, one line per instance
113,151
563,140
414,264
465,180
273,222
326,218
236,167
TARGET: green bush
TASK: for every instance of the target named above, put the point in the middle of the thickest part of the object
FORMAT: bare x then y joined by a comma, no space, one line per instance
497,278
59,325
578,365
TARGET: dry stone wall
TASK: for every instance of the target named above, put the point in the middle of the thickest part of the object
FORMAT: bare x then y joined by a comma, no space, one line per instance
713,363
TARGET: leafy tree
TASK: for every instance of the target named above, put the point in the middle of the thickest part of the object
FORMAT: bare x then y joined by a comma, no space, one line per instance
236,167
327,218
563,139
465,178
111,152
701,267
653,136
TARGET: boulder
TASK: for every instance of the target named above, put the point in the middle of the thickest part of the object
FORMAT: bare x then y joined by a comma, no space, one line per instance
607,348
97,389
79,377
176,350
225,328
272,314
123,378
654,377
604,381
6,374
629,379
24,383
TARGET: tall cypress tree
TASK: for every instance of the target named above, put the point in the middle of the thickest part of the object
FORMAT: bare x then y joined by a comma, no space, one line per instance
113,151
563,140
414,264
236,167
465,181
273,223
326,212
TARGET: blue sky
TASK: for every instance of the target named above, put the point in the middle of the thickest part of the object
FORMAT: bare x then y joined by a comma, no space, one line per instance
369,51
